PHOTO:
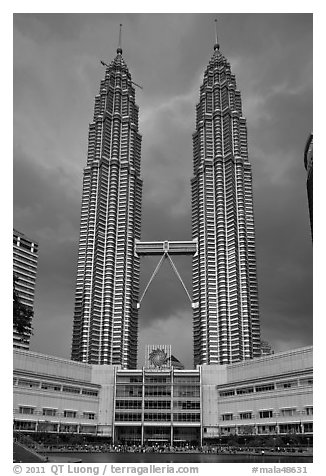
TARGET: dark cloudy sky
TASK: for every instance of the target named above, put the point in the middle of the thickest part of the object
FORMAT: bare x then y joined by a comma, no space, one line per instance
57,73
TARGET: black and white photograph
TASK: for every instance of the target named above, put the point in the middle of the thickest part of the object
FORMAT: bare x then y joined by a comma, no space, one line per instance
162,240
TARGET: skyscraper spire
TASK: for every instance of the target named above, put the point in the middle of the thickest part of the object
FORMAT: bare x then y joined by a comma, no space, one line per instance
119,50
217,45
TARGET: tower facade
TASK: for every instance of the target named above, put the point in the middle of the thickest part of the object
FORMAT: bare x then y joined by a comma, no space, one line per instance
225,293
25,252
107,287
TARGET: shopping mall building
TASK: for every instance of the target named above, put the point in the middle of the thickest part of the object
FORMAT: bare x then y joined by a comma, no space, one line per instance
270,395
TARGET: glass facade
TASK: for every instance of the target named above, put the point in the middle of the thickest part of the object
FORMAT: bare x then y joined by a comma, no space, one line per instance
159,404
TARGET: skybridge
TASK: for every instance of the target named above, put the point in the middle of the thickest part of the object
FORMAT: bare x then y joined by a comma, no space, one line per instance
166,249
152,248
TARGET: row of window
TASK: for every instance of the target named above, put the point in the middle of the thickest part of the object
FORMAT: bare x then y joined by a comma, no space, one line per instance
159,391
157,404
54,427
266,387
54,412
293,428
186,417
54,387
121,379
284,412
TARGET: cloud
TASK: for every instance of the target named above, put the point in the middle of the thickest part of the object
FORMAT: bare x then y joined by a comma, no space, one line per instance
168,331
165,295
44,202
166,153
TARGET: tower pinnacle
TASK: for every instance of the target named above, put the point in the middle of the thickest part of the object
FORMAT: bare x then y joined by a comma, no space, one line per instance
119,50
216,46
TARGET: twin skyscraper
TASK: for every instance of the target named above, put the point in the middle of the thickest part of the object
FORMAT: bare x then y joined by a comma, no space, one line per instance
226,324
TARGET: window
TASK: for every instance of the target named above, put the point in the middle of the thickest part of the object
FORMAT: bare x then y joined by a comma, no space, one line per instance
306,382
243,391
266,414
68,428
227,416
69,413
87,429
49,386
26,410
157,379
186,405
291,384
193,379
290,428
157,391
266,429
227,393
49,411
186,417
245,416
89,415
126,404
28,383
91,393
307,427
136,379
265,388
128,417
128,391
25,425
288,411
158,404
309,410
157,416
71,389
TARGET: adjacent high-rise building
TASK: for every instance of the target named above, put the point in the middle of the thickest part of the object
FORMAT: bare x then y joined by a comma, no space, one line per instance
25,251
225,293
105,317
308,163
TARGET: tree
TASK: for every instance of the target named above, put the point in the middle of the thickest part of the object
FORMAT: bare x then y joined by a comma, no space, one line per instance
22,314
233,440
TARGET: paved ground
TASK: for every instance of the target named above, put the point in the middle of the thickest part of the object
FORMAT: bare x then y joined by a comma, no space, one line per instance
23,455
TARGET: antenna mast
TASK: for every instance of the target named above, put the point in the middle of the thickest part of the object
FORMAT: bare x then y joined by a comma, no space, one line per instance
216,46
119,50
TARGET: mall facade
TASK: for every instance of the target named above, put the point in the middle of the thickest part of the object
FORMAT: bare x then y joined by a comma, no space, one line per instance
270,395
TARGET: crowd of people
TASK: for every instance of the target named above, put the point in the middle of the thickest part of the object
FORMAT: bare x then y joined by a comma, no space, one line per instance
50,445
164,448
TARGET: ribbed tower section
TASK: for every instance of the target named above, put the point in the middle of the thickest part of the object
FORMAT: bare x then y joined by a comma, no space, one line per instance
106,317
226,315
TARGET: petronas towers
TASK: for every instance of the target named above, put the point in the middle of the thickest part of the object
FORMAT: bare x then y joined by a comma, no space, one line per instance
105,319
226,320
225,296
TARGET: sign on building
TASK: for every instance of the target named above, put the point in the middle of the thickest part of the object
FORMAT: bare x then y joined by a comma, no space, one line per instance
158,357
